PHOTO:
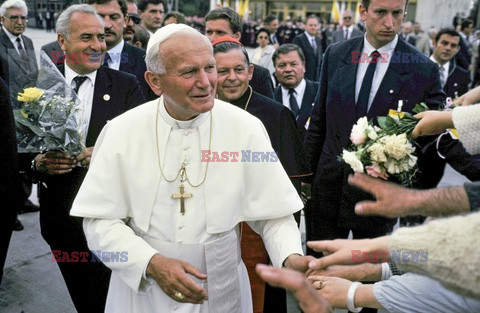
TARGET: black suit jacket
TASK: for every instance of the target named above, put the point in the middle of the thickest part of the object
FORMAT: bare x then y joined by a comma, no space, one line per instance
334,115
16,72
313,61
261,81
53,51
464,56
135,65
306,107
9,179
458,81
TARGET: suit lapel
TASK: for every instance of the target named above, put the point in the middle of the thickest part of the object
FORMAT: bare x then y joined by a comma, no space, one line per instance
347,74
127,53
102,95
391,85
11,51
307,104
278,94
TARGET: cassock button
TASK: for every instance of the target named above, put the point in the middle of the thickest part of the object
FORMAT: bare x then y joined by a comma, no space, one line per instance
106,97
391,91
455,84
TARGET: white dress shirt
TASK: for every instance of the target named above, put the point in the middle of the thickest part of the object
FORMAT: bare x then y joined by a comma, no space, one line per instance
85,96
116,56
383,62
299,92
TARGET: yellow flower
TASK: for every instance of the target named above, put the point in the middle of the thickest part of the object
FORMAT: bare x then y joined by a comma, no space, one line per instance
30,94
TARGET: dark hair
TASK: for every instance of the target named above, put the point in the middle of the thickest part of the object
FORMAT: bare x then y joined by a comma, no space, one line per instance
177,15
366,4
140,34
312,16
262,30
270,18
287,48
446,31
466,23
143,4
226,46
226,13
121,3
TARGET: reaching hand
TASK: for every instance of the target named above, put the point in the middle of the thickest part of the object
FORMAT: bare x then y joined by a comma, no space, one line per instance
85,157
387,197
309,300
172,277
432,122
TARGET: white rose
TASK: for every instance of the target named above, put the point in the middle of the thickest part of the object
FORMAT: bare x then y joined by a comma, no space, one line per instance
372,133
359,131
377,152
397,146
351,159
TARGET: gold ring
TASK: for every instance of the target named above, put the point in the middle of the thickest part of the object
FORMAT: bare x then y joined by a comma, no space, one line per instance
179,295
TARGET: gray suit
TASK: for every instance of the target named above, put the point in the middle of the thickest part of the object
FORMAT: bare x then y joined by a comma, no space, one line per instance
339,34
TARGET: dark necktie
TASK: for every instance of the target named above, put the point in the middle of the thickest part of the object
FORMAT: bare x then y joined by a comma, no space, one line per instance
78,82
443,76
314,45
293,102
22,52
363,96
106,59
346,34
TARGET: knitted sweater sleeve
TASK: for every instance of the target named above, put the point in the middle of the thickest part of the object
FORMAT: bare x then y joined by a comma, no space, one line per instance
467,122
453,251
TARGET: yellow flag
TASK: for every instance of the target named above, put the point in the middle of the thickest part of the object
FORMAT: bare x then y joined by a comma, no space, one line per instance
243,9
335,15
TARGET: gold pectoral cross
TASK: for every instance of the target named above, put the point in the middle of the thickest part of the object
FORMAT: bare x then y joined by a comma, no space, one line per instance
181,194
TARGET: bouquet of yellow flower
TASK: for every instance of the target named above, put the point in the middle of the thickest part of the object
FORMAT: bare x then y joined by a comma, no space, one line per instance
47,117
385,150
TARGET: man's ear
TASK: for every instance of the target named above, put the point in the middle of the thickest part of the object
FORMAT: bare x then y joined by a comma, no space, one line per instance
153,81
61,41
237,35
250,71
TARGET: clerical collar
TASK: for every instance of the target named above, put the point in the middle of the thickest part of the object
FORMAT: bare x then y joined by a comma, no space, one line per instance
174,123
240,102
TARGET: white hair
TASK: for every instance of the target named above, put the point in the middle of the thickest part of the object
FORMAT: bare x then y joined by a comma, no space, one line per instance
154,60
63,21
13,4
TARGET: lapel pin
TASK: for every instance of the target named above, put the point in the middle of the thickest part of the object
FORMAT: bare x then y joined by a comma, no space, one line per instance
391,91
106,97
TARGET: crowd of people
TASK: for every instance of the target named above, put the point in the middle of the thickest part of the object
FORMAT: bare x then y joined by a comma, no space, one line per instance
200,157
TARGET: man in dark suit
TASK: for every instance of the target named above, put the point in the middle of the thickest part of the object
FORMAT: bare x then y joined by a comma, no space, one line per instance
226,22
400,73
311,45
464,56
348,29
120,54
407,34
103,94
18,68
443,149
9,182
290,64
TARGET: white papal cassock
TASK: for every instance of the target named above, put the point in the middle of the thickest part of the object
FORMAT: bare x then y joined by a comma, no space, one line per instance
128,206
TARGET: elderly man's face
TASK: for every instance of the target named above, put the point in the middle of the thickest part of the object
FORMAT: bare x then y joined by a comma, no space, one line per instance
189,84
289,69
233,74
85,44
15,21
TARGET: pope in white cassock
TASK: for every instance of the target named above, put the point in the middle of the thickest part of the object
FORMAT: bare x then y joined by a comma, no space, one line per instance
155,193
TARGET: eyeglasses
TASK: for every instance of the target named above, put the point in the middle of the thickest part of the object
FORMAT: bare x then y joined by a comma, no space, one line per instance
134,17
14,18
347,17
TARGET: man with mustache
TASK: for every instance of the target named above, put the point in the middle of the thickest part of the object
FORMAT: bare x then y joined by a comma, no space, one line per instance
120,54
132,19
103,94
363,76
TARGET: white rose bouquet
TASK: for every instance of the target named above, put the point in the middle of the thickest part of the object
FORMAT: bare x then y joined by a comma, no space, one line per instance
385,150
47,118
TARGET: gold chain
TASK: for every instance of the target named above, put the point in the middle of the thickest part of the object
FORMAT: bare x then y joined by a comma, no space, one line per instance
182,171
249,97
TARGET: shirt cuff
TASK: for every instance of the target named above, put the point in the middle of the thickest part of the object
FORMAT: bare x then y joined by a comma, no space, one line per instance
473,193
